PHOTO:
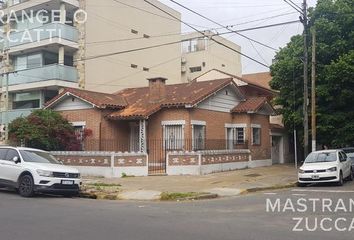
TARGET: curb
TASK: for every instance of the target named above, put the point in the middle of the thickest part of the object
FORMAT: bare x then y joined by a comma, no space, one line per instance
275,187
204,196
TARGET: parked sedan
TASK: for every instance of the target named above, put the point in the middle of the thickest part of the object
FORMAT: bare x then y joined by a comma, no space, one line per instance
350,154
325,166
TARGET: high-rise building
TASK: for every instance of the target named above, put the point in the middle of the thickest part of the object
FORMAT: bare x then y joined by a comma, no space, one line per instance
50,44
201,54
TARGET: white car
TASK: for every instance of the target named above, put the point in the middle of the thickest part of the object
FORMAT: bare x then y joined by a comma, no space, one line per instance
325,166
31,171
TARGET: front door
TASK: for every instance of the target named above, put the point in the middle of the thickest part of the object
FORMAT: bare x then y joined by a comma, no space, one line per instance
276,149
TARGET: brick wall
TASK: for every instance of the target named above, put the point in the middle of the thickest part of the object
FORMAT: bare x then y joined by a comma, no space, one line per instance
215,157
107,164
183,159
115,135
262,151
102,159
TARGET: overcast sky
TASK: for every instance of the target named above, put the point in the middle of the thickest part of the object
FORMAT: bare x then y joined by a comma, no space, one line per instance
242,14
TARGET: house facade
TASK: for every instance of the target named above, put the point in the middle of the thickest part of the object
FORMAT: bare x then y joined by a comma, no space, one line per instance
163,119
257,85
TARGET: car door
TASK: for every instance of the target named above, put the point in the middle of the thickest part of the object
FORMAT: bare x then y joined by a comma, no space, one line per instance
11,170
347,165
343,161
3,152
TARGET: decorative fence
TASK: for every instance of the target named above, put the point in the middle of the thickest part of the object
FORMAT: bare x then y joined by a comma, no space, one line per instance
185,157
205,162
106,164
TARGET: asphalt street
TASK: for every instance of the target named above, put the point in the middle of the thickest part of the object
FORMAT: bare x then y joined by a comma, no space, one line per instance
244,217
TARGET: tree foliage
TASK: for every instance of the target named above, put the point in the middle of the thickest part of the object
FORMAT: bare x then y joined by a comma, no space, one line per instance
333,22
44,129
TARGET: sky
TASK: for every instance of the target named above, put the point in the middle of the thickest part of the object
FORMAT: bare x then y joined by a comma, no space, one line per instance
243,14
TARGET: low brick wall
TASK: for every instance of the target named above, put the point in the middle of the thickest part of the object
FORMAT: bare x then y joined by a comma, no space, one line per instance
107,164
205,162
225,156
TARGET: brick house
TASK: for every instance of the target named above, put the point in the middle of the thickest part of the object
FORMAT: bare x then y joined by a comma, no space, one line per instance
196,116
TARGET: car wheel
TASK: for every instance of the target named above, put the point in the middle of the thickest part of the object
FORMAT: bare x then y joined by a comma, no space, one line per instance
26,186
341,180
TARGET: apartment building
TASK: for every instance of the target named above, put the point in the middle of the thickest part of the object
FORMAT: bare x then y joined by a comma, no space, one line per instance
200,54
69,43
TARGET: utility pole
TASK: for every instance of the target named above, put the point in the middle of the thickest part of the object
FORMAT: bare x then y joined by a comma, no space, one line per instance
313,90
6,107
306,93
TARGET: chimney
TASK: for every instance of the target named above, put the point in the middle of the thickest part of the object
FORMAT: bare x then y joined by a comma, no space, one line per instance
157,89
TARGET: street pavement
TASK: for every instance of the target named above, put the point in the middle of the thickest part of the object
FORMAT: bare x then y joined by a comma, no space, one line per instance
229,183
243,217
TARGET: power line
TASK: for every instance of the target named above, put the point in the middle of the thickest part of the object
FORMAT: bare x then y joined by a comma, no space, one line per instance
220,43
166,44
267,26
211,20
266,18
294,6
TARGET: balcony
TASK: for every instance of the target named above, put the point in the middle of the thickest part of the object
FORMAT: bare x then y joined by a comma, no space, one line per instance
45,73
13,114
48,32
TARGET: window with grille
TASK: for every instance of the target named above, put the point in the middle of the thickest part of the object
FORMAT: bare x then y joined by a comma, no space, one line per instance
240,135
198,137
235,135
173,137
134,138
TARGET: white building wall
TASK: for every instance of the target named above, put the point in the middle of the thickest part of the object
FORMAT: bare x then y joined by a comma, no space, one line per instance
123,28
215,56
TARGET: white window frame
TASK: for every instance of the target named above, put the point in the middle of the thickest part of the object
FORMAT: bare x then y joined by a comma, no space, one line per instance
175,123
231,142
81,124
259,127
134,142
199,124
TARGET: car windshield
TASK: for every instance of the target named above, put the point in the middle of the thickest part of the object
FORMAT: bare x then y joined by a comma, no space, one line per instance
38,157
321,157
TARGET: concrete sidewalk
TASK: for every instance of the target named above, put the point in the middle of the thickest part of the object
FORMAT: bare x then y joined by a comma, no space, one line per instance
174,187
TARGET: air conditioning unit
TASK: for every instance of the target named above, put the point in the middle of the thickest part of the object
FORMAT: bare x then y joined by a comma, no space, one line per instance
183,60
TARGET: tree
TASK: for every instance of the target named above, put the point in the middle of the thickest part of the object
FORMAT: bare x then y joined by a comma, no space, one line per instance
44,129
334,24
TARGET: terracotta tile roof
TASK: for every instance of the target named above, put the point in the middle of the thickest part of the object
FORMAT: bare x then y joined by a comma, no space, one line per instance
261,79
100,100
250,105
176,95
276,126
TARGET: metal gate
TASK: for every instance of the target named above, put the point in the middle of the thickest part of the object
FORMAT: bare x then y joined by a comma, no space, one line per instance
157,156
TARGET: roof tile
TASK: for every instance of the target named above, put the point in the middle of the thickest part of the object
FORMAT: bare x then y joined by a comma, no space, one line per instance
250,105
176,95
101,100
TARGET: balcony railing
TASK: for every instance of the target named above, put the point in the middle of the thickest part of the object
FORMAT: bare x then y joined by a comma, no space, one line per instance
45,73
45,32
